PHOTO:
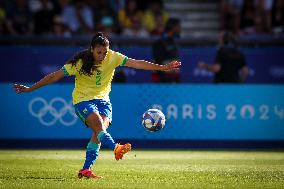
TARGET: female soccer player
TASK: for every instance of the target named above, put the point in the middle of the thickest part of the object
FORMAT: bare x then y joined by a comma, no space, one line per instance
94,69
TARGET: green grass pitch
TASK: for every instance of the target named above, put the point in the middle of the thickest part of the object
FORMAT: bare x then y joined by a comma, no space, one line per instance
143,169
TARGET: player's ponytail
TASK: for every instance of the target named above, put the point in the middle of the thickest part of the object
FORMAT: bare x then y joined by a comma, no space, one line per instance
98,34
87,56
99,39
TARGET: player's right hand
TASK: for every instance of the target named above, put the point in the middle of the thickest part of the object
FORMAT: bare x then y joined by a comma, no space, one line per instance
172,66
21,88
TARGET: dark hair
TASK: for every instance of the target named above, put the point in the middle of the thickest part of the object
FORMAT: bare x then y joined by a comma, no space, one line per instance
99,40
88,63
171,24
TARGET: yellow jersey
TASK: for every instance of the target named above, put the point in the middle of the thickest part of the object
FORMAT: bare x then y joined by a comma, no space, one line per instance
98,85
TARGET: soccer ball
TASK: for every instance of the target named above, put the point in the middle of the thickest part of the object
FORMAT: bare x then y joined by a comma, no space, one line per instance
153,120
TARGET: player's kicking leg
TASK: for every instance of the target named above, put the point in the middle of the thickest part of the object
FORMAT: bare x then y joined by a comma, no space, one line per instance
120,150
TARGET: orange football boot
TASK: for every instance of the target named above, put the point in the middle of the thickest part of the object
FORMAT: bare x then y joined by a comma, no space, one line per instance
120,150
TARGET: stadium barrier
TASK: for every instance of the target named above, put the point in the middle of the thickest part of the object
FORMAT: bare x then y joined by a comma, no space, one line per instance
265,64
197,115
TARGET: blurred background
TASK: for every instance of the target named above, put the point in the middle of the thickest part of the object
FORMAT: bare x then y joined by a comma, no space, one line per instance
229,92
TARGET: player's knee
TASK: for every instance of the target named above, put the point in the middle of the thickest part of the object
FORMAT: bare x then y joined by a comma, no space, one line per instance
95,122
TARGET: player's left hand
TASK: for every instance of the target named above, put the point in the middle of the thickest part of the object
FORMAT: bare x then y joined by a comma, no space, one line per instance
172,66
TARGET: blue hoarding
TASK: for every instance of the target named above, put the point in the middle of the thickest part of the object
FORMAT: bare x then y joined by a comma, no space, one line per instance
193,112
266,65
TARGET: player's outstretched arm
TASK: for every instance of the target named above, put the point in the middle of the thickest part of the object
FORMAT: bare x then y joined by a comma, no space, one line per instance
48,79
145,65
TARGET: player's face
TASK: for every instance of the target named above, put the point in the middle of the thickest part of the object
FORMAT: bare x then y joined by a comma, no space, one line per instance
100,52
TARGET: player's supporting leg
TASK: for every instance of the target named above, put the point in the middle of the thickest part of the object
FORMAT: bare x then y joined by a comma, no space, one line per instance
93,147
92,153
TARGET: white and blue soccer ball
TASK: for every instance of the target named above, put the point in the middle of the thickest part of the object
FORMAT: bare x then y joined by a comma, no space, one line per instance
153,120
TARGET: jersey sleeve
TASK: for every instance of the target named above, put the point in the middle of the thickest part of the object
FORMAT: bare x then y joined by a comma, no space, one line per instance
120,59
69,70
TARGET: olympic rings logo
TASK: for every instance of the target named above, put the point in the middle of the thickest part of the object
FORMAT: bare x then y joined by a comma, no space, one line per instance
49,113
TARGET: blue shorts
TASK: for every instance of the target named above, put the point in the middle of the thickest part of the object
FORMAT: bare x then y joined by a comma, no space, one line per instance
85,108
